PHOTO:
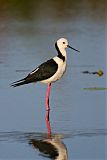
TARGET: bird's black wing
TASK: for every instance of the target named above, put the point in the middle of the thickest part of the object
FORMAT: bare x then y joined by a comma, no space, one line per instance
42,72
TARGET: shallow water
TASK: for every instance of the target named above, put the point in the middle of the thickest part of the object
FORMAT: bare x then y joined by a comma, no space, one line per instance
28,32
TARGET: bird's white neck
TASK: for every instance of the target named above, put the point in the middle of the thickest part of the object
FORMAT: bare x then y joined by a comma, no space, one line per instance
61,52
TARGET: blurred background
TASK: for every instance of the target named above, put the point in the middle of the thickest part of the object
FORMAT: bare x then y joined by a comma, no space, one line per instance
28,32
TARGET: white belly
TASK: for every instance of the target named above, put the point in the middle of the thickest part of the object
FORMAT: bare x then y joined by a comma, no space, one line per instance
60,71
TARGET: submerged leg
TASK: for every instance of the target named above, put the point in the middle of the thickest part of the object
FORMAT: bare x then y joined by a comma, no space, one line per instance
47,96
48,123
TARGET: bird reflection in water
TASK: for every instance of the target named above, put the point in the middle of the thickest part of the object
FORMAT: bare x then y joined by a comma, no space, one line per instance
52,146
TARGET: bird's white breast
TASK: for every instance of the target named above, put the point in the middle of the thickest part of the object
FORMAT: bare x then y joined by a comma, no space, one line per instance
60,71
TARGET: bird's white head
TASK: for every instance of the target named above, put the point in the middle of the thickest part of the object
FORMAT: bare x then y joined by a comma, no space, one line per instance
62,43
60,46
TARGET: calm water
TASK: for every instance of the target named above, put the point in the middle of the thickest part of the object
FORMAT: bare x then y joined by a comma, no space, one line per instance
28,31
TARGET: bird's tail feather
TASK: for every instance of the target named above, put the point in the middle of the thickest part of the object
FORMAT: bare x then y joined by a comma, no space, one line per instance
19,83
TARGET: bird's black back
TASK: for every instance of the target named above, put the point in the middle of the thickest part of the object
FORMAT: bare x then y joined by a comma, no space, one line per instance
43,72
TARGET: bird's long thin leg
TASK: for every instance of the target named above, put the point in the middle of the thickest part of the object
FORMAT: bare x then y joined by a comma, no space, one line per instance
47,96
48,123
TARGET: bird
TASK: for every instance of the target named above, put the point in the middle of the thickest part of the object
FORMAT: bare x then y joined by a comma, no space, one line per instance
51,70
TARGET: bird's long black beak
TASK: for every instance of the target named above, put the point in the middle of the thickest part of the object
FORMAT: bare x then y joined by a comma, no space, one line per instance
73,49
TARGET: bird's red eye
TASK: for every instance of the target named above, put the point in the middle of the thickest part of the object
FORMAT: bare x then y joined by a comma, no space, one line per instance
63,42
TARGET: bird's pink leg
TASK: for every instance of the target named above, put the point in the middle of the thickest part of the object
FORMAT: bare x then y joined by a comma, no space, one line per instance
47,97
48,123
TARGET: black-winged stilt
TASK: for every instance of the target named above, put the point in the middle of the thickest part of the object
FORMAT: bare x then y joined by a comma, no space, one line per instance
49,71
